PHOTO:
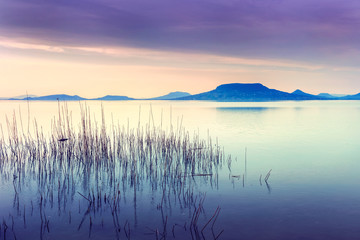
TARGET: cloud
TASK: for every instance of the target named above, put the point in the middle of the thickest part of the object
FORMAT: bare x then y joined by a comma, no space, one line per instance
141,56
22,45
301,30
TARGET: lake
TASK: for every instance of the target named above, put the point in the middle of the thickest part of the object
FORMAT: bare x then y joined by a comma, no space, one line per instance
311,147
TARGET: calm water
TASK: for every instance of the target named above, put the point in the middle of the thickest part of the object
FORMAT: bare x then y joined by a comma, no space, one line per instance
313,149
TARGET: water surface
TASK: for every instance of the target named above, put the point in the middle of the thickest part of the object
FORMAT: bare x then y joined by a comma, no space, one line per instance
312,147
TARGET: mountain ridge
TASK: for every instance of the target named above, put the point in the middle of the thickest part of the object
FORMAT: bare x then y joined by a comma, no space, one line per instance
54,97
232,92
326,95
171,95
247,92
351,97
302,93
112,98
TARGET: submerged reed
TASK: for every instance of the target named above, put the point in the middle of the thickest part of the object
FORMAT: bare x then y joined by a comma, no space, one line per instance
160,155
99,162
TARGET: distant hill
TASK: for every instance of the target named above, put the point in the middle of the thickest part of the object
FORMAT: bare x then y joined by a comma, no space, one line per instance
338,95
61,97
24,96
20,97
326,95
172,95
113,98
351,97
301,93
247,92
233,92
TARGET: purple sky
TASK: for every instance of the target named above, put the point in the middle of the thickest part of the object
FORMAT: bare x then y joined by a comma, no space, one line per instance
321,32
297,29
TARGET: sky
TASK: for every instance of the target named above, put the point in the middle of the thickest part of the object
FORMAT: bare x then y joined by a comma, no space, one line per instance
142,48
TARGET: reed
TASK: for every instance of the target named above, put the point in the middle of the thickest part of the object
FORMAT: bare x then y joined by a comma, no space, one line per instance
96,164
156,154
267,176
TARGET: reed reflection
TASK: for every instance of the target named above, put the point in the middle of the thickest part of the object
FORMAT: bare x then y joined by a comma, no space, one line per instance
100,170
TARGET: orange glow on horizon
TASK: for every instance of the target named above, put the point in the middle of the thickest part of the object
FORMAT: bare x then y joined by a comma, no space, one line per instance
143,73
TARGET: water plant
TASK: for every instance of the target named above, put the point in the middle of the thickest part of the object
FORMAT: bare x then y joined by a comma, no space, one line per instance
102,165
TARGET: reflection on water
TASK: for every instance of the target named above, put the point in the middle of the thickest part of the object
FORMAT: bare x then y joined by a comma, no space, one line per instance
250,109
311,192
102,172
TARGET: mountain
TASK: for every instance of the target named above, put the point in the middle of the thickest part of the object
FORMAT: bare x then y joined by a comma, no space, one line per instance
24,96
326,95
351,97
20,97
113,98
233,92
247,92
61,97
301,93
172,95
338,95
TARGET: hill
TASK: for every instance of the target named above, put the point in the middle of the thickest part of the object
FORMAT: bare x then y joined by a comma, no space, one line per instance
113,98
172,95
301,93
61,97
351,97
248,92
326,95
233,92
